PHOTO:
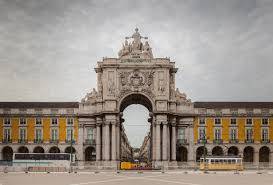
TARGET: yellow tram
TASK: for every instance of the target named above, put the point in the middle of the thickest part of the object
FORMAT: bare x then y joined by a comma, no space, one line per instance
221,163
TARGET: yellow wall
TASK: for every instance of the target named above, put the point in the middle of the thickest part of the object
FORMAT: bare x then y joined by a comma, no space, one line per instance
195,129
241,129
76,124
46,129
225,129
210,130
257,129
62,129
1,128
31,129
14,129
271,129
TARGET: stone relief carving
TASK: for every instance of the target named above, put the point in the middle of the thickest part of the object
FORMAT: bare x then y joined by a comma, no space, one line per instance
181,98
136,49
161,82
111,83
136,81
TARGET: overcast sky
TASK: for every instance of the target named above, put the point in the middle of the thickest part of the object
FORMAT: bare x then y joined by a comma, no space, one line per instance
223,49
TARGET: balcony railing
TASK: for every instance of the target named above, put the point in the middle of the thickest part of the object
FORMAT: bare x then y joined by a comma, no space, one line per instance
7,141
90,142
233,141
182,141
265,141
218,141
249,141
202,141
55,141
37,141
22,140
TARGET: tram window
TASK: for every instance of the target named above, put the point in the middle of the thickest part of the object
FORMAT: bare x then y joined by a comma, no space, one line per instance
225,161
233,161
216,161
221,160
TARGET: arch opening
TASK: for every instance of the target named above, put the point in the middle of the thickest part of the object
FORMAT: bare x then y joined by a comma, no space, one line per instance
135,144
182,154
68,150
23,149
217,151
233,151
248,154
200,152
38,149
7,153
54,149
264,154
90,154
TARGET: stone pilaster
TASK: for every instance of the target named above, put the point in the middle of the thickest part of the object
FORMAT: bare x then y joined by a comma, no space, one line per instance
113,145
164,141
80,143
256,158
118,140
158,142
98,139
107,142
173,153
191,153
154,141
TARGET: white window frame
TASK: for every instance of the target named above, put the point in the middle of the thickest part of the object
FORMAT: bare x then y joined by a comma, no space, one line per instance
88,134
4,135
264,128
203,133
40,119
265,119
217,123
69,138
220,131
230,133
25,129
251,121
233,119
200,121
246,131
4,121
41,139
21,123
51,120
181,133
57,134
67,121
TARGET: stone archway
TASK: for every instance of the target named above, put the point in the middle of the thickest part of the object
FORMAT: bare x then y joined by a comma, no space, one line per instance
217,151
23,149
68,150
200,152
38,149
248,154
264,154
7,153
233,151
136,77
54,149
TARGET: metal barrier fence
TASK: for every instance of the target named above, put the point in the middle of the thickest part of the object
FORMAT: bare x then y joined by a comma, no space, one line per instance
6,166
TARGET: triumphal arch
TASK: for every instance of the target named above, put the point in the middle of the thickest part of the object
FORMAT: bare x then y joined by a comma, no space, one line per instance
137,77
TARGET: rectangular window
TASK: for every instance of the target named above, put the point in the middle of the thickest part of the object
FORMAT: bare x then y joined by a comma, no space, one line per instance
38,134
217,134
23,121
54,121
7,121
202,121
69,131
202,134
217,121
38,121
233,121
90,134
69,121
7,134
181,133
249,121
233,134
54,134
265,121
249,134
23,134
265,134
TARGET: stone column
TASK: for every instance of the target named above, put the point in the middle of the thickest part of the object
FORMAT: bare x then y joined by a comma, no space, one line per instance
256,158
80,143
164,142
98,142
113,146
118,140
154,141
158,142
271,158
173,158
191,153
107,142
